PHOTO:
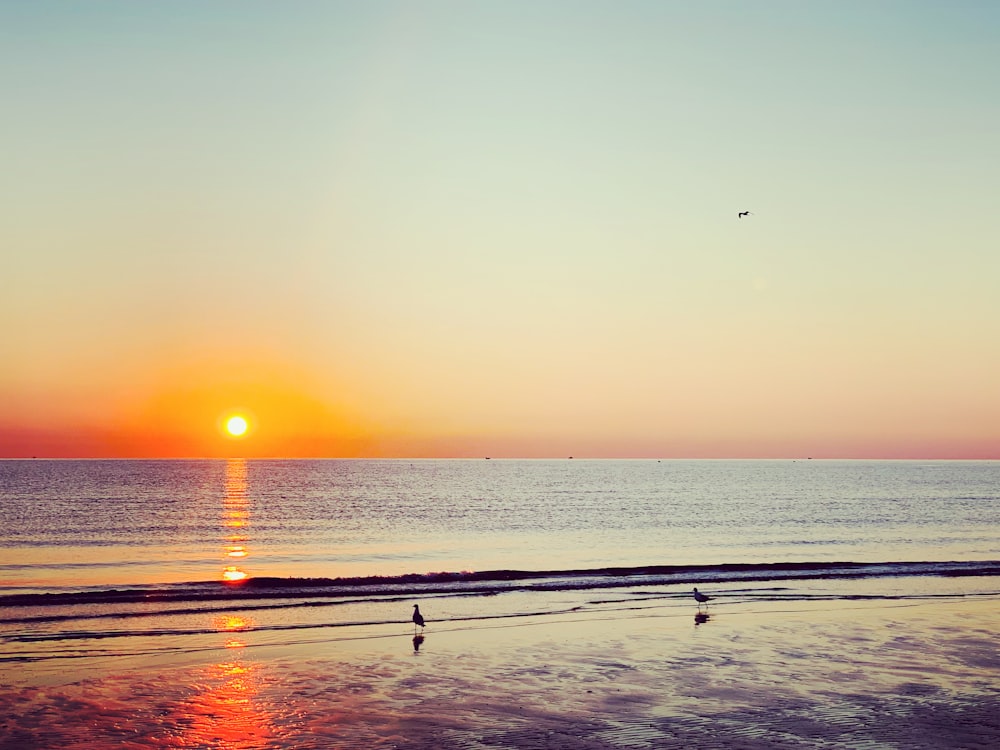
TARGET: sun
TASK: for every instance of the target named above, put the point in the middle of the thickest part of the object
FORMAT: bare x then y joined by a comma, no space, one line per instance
236,426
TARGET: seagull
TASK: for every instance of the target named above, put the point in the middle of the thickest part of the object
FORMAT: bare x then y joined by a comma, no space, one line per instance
701,598
418,619
741,214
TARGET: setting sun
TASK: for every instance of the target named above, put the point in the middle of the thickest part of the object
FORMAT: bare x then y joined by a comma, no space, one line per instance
236,426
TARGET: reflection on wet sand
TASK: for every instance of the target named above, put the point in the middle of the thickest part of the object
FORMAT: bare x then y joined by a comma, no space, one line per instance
227,711
233,627
226,708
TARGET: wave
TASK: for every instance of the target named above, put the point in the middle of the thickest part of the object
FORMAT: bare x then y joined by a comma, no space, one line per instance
165,620
483,583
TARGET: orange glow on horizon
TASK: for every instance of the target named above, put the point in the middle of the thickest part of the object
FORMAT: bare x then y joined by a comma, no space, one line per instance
291,414
197,404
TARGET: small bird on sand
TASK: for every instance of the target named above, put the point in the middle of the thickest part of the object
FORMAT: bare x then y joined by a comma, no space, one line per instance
418,619
741,214
701,598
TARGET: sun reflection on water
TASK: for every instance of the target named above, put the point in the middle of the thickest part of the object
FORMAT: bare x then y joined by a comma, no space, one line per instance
231,625
233,574
235,517
228,711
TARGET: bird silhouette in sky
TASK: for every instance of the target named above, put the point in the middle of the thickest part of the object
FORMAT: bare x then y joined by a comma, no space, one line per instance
741,214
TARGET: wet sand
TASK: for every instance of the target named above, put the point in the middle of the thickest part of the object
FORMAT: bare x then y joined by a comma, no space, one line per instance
754,675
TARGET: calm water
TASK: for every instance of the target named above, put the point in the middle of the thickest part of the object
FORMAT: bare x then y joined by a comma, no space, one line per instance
127,561
66,525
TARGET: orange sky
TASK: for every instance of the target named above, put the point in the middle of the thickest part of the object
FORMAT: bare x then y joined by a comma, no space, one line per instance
382,232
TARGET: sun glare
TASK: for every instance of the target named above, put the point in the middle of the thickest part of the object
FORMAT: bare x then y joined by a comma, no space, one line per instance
233,574
236,426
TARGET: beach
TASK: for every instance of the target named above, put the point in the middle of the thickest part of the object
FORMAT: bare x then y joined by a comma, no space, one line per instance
265,605
909,673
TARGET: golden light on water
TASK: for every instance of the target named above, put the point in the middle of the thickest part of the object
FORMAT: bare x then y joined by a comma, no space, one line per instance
228,711
231,624
235,515
233,574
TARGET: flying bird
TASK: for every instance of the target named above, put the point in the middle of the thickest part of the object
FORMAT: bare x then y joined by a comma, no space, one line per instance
741,214
701,598
418,619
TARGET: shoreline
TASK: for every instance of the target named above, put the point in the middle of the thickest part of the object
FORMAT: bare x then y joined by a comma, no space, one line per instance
490,582
754,674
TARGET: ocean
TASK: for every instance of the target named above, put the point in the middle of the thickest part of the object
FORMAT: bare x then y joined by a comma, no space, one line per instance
126,559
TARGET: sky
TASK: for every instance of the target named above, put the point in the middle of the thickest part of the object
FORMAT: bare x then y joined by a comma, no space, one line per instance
500,228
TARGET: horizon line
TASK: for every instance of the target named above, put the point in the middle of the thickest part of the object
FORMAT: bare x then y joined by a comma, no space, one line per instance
497,458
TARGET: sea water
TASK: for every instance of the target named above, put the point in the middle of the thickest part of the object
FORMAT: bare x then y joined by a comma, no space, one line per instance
119,557
67,525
